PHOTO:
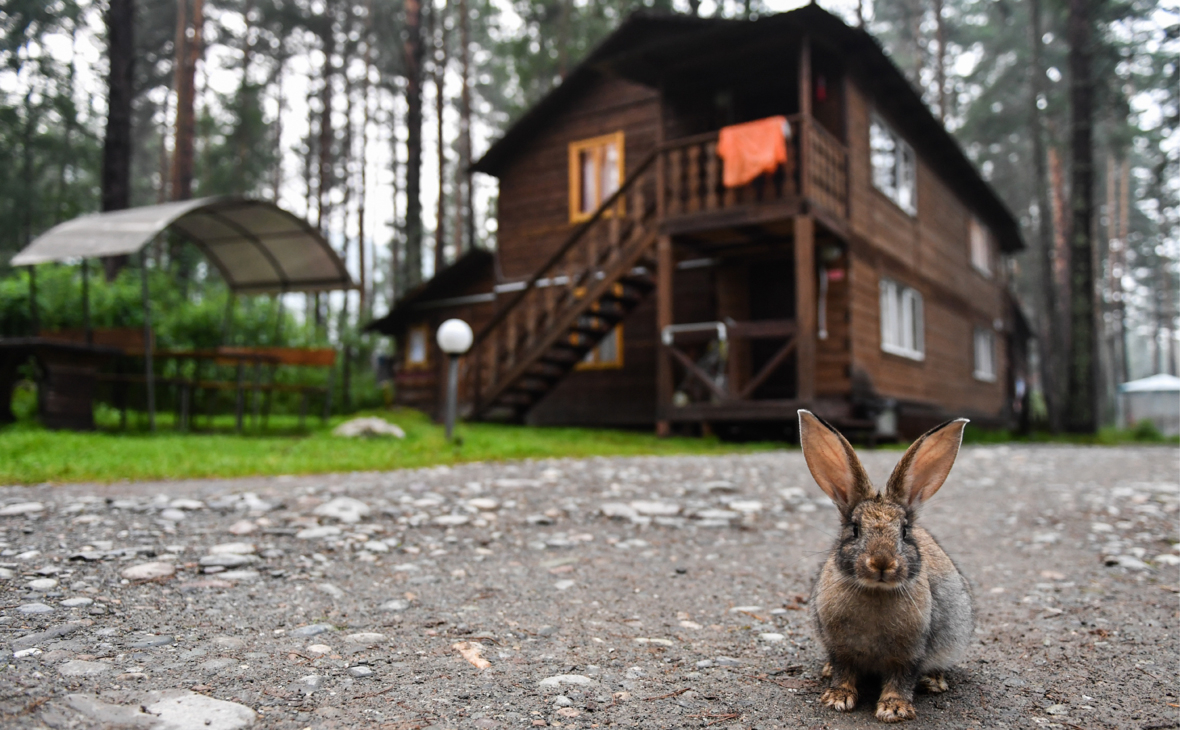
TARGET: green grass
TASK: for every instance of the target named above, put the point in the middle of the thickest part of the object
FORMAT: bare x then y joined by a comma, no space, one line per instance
30,454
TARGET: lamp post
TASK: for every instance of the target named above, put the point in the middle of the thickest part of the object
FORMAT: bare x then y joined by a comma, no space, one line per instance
454,338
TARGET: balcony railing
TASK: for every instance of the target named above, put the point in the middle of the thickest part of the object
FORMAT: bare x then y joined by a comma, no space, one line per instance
692,172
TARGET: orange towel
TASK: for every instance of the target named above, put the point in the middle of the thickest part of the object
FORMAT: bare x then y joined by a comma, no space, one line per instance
752,149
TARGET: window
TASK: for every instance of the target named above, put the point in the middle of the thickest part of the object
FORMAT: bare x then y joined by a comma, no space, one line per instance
985,354
417,347
596,171
608,354
981,248
902,330
894,166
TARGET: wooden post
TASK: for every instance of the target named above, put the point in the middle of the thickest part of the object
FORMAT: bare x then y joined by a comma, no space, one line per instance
34,313
148,344
805,305
664,268
804,117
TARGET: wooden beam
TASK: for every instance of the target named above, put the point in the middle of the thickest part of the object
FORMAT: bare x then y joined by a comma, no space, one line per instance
805,306
804,130
664,316
768,369
695,371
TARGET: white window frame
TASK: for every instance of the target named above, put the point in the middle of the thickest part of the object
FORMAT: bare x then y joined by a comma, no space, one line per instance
894,166
980,242
985,354
903,320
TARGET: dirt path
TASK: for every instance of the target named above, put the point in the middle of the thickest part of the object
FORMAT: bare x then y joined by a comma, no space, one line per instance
647,592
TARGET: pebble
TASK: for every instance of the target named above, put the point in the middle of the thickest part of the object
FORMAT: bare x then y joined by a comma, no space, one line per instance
563,701
319,649
242,527
745,506
1166,559
188,504
172,515
307,685
231,643
376,546
33,608
655,509
365,638
232,548
241,576
727,661
360,671
318,533
149,571
21,508
563,585
311,630
43,584
227,560
395,605
331,590
107,715
451,520
560,679
77,602
484,504
344,509
186,710
150,642
772,637
79,668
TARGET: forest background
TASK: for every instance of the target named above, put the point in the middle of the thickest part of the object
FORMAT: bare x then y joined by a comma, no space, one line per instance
364,115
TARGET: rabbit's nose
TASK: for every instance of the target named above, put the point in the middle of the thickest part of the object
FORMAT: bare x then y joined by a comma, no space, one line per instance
882,564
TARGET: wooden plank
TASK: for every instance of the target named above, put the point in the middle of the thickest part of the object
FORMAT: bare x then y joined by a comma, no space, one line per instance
768,369
805,305
665,288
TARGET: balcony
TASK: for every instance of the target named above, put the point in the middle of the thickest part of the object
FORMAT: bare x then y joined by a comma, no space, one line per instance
816,172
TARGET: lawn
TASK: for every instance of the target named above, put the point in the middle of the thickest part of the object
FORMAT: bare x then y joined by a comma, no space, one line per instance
30,454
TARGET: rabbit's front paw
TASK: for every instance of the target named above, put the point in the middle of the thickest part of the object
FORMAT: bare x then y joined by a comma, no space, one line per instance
895,709
839,698
933,683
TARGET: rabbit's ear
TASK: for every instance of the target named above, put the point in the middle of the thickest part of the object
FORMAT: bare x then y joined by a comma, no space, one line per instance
926,464
832,462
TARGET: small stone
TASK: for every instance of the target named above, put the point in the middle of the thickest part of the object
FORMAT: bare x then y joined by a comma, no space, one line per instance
1057,709
187,504
230,643
360,672
368,426
77,602
451,520
108,715
1132,563
184,710
484,504
344,509
727,661
149,571
634,672
34,608
1101,527
42,585
318,533
569,712
366,639
227,560
1166,559
772,637
745,609
232,548
242,527
331,590
394,606
560,679
307,685
376,546
618,511
311,630
172,515
562,701
745,506
150,642
539,520
563,585
319,649
79,668
21,508
717,514
240,576
654,509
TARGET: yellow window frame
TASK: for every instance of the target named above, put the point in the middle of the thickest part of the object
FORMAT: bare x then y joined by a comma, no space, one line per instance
424,363
593,363
598,146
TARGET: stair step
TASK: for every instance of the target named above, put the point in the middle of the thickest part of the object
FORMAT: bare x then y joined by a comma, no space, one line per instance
548,371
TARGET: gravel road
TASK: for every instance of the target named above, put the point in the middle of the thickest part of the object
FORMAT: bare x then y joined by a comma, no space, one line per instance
642,592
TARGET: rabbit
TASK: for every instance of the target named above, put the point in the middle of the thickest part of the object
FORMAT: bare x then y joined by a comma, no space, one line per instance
888,602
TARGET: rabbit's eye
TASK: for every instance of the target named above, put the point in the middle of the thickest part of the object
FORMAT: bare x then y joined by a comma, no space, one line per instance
855,531
905,532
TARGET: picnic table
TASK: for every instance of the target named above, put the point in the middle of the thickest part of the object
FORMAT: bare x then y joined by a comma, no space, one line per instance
68,374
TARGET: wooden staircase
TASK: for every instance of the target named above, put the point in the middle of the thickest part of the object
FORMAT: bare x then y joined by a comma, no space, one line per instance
598,276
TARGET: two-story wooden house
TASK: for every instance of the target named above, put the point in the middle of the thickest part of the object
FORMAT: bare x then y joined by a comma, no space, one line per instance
863,278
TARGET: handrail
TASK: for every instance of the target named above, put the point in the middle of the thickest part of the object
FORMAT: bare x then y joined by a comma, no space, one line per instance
499,316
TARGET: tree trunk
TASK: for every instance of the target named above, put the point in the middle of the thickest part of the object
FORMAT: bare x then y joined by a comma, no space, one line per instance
324,172
413,67
360,214
1049,336
940,29
438,32
190,24
1081,410
464,197
116,147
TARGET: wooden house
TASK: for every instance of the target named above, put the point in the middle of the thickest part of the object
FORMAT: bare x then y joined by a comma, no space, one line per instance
864,278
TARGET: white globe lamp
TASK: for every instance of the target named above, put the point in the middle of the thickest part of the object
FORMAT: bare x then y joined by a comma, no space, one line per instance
454,338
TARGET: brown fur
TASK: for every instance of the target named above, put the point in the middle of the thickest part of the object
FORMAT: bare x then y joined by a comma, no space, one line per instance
888,601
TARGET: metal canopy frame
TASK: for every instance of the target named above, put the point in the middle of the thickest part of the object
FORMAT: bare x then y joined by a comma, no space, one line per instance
258,248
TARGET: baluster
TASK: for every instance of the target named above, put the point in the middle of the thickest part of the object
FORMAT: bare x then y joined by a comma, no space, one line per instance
712,175
613,236
694,178
676,178
493,360
640,205
531,318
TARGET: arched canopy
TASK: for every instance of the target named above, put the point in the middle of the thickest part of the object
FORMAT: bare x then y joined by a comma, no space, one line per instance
258,247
